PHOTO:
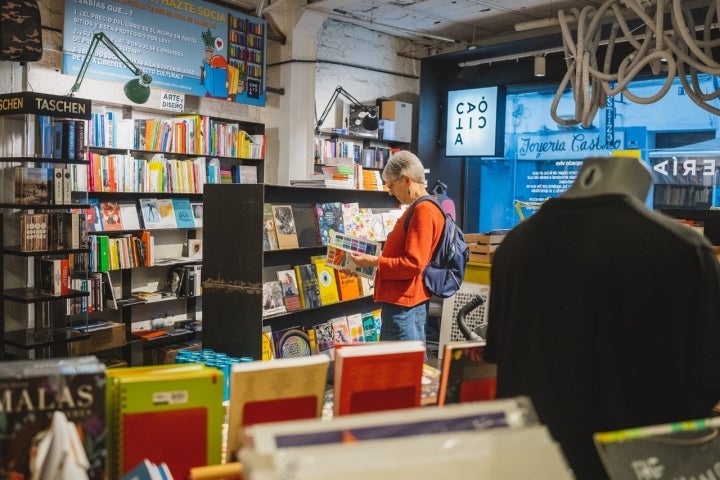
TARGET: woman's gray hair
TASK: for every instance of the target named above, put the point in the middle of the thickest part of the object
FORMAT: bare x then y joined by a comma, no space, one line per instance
404,163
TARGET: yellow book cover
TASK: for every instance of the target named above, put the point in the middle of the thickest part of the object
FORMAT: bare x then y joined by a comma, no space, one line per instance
277,390
326,281
268,344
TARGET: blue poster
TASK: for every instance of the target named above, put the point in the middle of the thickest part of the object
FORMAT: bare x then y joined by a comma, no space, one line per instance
189,46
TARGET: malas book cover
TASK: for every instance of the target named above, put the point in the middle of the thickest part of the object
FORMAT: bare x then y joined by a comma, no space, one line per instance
32,391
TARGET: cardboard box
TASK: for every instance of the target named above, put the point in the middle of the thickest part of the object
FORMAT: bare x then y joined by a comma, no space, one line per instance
167,353
104,339
401,114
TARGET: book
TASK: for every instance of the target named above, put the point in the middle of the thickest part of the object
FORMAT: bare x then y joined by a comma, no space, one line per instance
465,376
308,288
510,413
33,185
67,186
349,285
129,216
339,251
324,339
110,216
294,342
165,413
687,449
378,376
195,248
268,344
270,239
340,329
197,210
355,326
326,281
329,220
276,390
370,330
285,227
272,295
166,212
53,400
290,292
50,276
34,232
184,217
150,213
57,185
93,218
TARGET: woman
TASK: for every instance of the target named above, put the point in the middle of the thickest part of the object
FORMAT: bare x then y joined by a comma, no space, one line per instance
399,278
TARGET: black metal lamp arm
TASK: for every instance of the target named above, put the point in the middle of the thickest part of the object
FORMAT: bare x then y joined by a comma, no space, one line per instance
339,91
97,38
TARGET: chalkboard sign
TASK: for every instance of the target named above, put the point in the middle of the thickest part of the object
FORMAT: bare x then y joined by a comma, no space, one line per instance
671,451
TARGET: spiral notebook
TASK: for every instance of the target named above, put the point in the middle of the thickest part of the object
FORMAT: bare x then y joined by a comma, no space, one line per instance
165,413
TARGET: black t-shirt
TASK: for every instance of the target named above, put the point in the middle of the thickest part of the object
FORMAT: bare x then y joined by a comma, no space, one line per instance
607,315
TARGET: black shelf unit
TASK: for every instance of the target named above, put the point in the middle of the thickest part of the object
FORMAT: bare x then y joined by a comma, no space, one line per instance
234,260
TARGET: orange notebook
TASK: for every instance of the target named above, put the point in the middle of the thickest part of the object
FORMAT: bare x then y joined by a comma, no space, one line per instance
371,377
464,375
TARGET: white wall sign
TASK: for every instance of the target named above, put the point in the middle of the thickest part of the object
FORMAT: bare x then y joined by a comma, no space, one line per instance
173,102
471,122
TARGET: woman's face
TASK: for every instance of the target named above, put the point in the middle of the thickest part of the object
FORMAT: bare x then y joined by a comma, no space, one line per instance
398,187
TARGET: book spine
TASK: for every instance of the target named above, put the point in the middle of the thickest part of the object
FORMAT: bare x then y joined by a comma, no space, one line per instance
57,185
66,187
79,139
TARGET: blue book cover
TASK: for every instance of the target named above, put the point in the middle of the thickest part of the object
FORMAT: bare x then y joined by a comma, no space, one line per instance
183,213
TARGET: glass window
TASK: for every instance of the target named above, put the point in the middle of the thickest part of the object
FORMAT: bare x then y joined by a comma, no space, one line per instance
675,137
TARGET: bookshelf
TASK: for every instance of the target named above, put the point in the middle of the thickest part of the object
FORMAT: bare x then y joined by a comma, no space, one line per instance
141,164
369,152
42,156
247,39
235,264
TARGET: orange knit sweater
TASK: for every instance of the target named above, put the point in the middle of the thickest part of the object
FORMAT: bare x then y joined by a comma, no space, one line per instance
399,276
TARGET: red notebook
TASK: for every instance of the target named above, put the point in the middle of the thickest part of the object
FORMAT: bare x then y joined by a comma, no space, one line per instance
371,377
175,437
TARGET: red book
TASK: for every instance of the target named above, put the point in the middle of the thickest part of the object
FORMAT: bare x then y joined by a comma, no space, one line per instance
371,377
465,376
64,276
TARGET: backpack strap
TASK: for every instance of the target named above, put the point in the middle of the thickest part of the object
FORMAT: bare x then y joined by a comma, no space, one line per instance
429,198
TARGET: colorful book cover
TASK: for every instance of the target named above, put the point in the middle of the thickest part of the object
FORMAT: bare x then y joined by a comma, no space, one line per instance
273,391
349,285
32,392
268,344
329,220
341,331
273,303
326,281
166,211
270,240
150,213
290,293
165,413
378,376
354,321
308,285
285,227
324,337
339,252
369,330
184,217
294,342
465,376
